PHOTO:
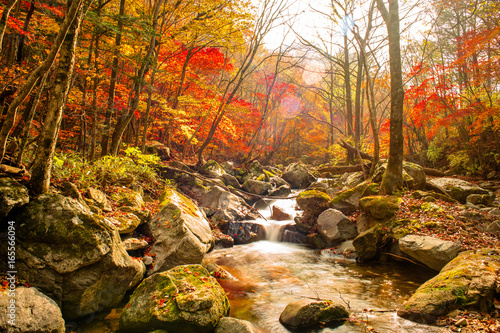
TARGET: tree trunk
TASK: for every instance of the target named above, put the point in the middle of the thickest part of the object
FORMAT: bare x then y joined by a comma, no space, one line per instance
393,177
40,178
4,19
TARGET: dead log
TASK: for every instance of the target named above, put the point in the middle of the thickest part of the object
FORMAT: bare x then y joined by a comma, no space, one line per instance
336,170
352,149
13,171
433,172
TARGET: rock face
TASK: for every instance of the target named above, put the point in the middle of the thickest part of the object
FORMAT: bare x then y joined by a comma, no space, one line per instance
431,251
233,325
227,206
417,174
458,189
380,207
72,256
34,313
469,281
307,312
335,227
180,232
298,176
11,195
184,299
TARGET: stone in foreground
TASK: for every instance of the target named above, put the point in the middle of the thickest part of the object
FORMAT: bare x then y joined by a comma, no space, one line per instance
184,299
433,252
469,281
305,313
233,325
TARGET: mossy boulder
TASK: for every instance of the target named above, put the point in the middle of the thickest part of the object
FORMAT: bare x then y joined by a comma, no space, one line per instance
256,169
297,175
212,169
458,189
128,197
184,299
413,175
480,199
12,195
367,243
72,255
348,201
380,207
469,281
305,313
313,203
180,233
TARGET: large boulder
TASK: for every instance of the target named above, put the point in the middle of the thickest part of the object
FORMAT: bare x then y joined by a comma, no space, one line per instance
192,186
230,180
12,195
305,313
458,189
367,243
348,201
234,325
313,203
256,169
257,186
180,233
184,299
413,175
72,255
469,281
225,205
298,176
212,169
433,252
380,207
26,310
335,227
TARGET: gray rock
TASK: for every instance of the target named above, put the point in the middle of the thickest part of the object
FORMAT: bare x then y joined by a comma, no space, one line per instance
34,313
257,186
279,181
282,191
335,227
298,176
212,169
180,233
416,172
184,299
233,325
256,169
305,313
433,252
228,167
226,206
231,180
12,194
72,256
353,180
458,189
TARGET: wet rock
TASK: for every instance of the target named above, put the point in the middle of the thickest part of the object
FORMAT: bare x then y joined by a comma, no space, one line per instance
72,256
12,195
367,243
257,187
380,207
289,234
282,191
469,281
226,206
99,198
222,240
335,227
233,325
33,312
279,215
218,272
305,313
313,203
244,232
184,299
433,252
298,176
180,232
212,169
348,201
458,189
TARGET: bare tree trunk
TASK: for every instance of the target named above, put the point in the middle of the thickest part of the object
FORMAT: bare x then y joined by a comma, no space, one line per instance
40,175
4,19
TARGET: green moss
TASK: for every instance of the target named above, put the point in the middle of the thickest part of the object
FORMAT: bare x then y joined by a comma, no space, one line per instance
178,203
380,207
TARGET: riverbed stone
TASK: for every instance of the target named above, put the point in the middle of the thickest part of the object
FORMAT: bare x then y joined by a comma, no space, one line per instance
12,194
279,215
367,243
458,189
234,325
257,187
313,203
335,227
72,256
297,175
306,313
244,232
469,281
433,252
34,312
231,180
225,205
380,207
212,169
183,299
282,191
180,232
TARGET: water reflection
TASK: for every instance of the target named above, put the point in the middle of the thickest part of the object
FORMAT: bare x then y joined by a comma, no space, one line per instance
270,275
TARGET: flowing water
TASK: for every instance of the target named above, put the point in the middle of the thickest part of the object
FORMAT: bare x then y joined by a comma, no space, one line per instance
269,275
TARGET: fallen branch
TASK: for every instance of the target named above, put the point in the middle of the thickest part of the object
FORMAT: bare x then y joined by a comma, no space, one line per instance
21,172
352,149
344,168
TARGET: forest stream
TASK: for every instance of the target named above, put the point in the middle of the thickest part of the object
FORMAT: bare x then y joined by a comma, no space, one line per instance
269,274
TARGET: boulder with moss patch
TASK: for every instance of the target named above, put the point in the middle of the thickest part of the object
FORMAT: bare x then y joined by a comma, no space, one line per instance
180,233
72,256
212,169
469,281
380,207
184,299
257,186
12,195
306,313
225,205
100,199
298,176
348,201
313,203
458,189
367,243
